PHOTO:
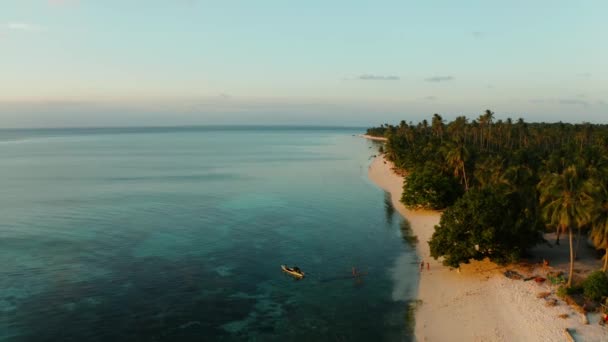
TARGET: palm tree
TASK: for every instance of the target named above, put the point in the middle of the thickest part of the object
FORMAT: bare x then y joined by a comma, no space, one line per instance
593,164
425,126
483,121
457,129
488,117
599,214
509,129
489,172
522,131
456,158
599,223
437,126
565,201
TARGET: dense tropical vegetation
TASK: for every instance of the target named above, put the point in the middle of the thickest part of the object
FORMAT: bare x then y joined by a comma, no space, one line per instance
503,183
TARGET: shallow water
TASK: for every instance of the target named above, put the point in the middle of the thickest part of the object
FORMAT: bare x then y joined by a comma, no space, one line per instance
178,234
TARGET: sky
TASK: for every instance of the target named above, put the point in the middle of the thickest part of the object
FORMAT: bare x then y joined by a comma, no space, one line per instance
354,63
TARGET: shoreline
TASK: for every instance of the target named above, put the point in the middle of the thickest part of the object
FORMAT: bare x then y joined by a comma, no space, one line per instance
371,137
477,303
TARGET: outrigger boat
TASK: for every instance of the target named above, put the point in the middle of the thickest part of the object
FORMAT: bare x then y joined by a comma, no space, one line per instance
293,271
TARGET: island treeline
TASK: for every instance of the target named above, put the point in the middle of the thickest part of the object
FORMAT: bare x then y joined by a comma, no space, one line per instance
503,183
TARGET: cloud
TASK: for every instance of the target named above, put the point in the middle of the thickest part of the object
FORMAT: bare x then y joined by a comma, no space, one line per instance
18,26
585,75
430,98
369,77
573,102
439,79
477,34
562,101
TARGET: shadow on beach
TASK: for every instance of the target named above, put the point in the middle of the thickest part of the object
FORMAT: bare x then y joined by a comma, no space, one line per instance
558,256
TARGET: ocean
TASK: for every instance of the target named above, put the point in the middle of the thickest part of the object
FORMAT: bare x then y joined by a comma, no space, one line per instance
178,234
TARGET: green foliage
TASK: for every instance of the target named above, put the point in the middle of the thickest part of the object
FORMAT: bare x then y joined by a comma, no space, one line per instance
562,166
596,286
564,291
565,198
599,219
378,131
556,279
428,188
484,223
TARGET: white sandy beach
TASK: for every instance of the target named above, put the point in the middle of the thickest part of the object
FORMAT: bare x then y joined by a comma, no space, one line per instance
479,303
371,137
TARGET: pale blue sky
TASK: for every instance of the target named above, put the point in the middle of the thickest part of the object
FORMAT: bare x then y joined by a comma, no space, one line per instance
175,62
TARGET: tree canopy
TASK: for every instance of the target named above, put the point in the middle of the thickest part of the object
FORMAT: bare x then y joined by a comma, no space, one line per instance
484,223
501,182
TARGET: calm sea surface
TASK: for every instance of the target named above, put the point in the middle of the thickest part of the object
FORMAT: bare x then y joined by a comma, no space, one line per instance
178,234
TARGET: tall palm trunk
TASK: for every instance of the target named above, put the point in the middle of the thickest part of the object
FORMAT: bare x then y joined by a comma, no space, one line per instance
578,241
605,261
571,272
464,175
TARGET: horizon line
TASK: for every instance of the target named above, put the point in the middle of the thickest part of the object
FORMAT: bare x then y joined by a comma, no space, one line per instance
226,126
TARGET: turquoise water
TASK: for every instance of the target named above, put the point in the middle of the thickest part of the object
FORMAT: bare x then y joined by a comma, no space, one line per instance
178,233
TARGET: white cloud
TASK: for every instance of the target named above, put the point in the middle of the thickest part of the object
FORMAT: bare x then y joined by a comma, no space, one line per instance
569,101
370,77
19,26
562,101
439,79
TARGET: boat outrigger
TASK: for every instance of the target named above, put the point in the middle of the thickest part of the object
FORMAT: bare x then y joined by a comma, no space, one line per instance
293,271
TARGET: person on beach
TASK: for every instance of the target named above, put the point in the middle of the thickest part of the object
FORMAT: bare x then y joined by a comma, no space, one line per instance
428,266
421,265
